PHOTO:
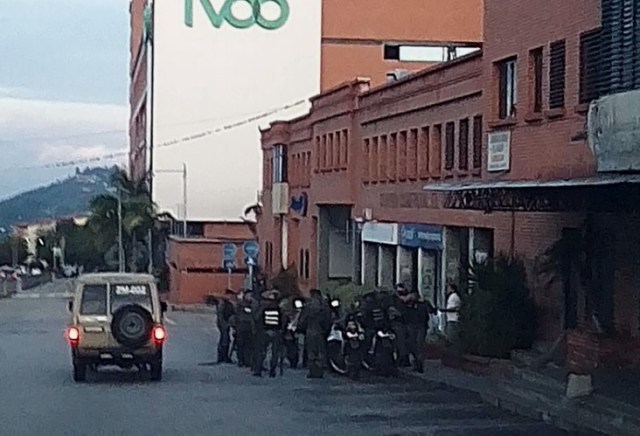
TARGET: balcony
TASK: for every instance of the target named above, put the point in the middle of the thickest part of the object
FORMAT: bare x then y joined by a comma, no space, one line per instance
614,132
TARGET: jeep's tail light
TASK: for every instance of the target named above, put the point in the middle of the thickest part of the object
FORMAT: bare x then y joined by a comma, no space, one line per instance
73,335
159,334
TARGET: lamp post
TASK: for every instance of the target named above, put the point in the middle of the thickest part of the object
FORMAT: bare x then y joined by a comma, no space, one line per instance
183,171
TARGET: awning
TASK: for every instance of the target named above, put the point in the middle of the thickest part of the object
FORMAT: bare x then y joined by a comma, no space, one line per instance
602,180
580,194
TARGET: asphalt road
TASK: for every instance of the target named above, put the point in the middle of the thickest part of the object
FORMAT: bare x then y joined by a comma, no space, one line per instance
38,397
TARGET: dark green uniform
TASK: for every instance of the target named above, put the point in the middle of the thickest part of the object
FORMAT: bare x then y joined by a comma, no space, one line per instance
244,332
268,323
315,321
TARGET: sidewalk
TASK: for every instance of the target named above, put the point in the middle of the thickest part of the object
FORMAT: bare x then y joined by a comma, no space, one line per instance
538,396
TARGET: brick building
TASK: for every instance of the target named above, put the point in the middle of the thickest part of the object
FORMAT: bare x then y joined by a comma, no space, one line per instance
488,153
196,267
357,38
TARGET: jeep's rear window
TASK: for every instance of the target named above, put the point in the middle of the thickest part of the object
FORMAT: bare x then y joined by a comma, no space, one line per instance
94,300
131,293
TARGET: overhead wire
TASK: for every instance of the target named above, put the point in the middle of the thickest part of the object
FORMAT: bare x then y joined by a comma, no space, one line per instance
182,140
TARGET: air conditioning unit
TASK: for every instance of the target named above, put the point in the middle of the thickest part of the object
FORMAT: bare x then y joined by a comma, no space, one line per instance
499,151
397,74
280,198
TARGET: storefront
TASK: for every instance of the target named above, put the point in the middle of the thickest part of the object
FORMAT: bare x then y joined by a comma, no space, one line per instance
419,258
379,249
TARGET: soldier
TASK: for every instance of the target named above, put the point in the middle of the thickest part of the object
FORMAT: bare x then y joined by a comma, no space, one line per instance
244,330
315,321
225,312
268,322
398,324
416,314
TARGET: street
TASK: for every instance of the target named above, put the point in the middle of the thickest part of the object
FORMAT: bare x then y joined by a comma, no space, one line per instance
38,397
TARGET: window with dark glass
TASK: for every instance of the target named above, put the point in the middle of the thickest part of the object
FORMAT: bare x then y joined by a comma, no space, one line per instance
589,65
279,164
507,88
449,145
94,300
463,144
477,142
535,81
557,74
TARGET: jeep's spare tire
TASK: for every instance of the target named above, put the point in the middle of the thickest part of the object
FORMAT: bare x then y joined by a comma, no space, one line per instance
131,325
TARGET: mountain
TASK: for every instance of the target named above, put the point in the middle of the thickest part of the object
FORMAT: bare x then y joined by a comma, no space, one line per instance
68,197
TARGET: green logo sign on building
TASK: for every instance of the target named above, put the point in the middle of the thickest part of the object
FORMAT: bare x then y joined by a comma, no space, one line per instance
226,14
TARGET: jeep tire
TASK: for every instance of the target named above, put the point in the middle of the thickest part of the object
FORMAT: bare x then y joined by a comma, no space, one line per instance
79,371
131,326
156,369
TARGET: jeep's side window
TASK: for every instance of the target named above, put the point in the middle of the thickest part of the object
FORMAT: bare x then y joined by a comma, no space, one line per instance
94,300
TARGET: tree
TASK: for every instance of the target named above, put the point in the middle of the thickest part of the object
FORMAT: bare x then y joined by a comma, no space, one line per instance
498,314
11,245
138,216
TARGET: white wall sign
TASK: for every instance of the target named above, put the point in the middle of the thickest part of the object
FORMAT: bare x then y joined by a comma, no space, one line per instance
499,151
381,233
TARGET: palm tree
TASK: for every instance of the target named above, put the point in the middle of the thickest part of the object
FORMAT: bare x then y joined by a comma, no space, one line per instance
138,216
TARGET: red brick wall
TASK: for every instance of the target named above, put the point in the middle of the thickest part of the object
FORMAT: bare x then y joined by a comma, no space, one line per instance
196,264
541,147
354,32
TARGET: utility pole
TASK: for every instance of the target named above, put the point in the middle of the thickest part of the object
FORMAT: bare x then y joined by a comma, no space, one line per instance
183,171
120,241
184,199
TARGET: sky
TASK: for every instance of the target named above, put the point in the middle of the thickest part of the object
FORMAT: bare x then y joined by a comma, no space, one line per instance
63,86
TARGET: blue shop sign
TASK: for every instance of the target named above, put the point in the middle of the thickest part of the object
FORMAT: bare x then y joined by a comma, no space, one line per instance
421,235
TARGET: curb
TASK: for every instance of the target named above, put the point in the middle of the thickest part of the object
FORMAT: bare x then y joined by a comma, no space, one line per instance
571,415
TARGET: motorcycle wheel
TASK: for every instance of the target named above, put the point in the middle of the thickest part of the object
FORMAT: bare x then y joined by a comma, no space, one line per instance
336,358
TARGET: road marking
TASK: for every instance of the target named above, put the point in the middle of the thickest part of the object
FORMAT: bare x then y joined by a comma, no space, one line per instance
169,321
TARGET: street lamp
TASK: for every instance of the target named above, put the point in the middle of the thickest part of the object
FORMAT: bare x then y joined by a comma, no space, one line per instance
183,171
120,242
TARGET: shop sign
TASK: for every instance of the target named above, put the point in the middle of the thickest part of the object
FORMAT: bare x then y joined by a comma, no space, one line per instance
380,233
421,235
226,14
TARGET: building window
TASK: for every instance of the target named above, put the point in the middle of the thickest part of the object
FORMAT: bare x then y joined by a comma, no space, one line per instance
382,152
325,153
435,158
373,170
367,161
557,65
391,52
463,144
535,79
345,135
392,150
335,141
477,142
279,164
317,157
423,153
507,88
306,264
589,65
402,155
449,145
412,154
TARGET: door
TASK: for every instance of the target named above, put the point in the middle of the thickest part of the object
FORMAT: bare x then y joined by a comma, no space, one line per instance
428,275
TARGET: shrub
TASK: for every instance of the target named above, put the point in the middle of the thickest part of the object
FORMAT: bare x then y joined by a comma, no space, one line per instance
498,314
346,292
